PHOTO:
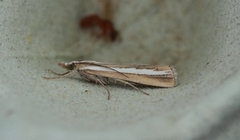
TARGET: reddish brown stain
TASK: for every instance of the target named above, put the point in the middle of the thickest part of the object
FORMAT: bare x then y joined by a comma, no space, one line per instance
107,30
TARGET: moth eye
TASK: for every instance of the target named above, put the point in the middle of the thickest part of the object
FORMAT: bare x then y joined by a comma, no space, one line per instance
71,66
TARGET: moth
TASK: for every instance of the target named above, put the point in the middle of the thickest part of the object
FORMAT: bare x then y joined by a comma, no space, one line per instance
129,74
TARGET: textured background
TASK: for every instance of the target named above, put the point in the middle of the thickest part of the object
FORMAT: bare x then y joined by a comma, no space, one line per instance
199,37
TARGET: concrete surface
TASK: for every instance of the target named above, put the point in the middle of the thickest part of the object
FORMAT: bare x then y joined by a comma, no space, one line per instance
200,38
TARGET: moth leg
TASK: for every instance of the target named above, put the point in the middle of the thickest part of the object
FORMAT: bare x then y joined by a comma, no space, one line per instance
127,83
86,77
102,83
60,75
105,80
92,78
96,79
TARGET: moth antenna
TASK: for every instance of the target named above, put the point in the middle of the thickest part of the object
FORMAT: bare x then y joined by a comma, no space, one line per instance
112,69
105,67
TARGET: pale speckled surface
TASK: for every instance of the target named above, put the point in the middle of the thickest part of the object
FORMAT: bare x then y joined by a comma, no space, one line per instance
200,38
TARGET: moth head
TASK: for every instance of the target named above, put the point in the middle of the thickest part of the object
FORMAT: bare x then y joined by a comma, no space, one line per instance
68,66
